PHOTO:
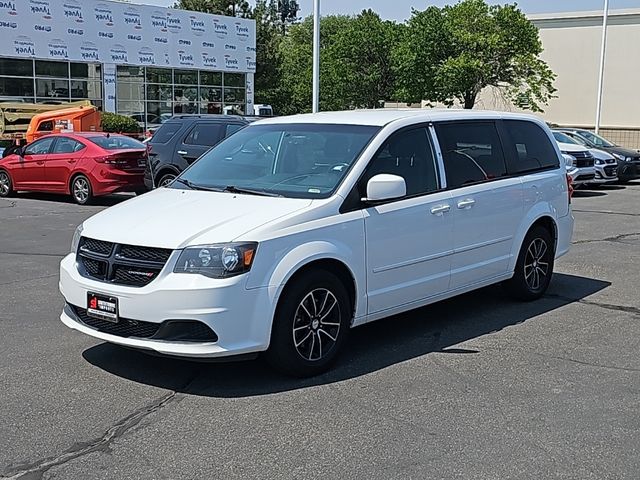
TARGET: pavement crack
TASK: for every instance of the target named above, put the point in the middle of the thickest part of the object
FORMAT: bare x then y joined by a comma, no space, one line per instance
35,254
608,212
11,205
589,364
606,306
615,239
36,470
22,280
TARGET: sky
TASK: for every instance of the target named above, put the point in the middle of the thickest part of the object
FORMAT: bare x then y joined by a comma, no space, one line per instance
401,9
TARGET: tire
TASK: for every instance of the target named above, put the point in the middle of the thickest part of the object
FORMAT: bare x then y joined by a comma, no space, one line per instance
6,186
81,190
534,267
165,180
306,340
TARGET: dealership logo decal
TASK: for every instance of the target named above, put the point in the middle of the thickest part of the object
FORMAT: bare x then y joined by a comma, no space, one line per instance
174,24
41,7
132,18
24,46
119,54
185,58
58,49
146,56
73,9
9,7
89,51
231,63
104,15
42,28
159,21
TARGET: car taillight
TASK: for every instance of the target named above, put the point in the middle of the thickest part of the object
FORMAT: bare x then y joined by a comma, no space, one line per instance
111,161
570,188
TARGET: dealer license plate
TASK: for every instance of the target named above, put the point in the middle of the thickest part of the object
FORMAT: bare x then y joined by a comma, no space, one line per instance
102,307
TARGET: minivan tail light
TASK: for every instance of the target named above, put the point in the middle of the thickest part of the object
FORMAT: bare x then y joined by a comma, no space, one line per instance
570,188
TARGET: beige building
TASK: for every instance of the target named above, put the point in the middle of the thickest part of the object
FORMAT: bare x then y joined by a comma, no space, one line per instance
572,45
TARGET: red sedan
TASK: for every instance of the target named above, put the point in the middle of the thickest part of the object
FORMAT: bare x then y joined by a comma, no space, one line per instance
83,165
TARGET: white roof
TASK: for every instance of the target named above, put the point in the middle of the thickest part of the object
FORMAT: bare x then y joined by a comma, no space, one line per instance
381,117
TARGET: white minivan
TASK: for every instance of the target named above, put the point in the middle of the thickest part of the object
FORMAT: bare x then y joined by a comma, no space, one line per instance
295,229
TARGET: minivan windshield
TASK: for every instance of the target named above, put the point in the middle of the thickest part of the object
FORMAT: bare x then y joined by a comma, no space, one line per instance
290,160
564,138
596,140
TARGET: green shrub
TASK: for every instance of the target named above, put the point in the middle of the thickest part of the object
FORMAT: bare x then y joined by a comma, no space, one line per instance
114,123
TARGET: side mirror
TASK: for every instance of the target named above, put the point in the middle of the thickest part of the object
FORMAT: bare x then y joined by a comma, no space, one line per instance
385,187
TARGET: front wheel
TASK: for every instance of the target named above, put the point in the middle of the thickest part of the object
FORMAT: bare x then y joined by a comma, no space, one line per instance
166,180
6,187
534,267
311,324
81,190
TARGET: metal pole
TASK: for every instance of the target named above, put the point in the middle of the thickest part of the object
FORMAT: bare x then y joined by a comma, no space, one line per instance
316,56
602,61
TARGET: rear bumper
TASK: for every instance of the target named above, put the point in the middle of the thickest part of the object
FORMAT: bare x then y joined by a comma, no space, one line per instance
112,181
565,233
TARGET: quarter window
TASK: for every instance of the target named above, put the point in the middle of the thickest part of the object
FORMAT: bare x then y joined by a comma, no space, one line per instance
205,134
407,154
471,152
40,147
531,148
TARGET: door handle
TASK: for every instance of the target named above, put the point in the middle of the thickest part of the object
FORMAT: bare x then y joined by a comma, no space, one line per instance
466,204
71,161
39,162
182,152
440,210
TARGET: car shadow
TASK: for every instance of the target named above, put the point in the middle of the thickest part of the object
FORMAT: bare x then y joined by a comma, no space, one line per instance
102,201
437,328
588,193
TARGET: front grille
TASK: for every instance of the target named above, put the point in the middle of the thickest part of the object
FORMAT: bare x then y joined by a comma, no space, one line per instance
130,265
582,178
169,330
124,328
581,154
584,162
610,171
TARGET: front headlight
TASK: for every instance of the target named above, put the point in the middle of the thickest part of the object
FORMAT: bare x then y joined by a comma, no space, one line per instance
217,261
628,159
599,162
76,238
618,156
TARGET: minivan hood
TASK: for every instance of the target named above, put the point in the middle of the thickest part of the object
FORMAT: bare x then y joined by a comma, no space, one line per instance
172,218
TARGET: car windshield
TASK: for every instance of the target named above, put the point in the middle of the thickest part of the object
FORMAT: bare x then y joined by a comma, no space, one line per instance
596,140
117,142
564,138
291,160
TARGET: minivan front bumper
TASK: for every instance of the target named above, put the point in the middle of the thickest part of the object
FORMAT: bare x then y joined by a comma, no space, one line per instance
239,317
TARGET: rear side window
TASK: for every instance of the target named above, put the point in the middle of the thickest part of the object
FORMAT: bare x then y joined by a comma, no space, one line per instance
531,149
471,151
67,145
233,128
117,142
166,132
204,134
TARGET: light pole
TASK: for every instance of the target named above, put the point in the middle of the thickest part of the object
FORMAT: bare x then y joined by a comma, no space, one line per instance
602,60
316,56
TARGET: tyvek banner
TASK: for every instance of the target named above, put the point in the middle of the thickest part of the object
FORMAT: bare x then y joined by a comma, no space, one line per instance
124,33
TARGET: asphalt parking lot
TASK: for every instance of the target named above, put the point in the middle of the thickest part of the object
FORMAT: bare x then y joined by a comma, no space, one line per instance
476,387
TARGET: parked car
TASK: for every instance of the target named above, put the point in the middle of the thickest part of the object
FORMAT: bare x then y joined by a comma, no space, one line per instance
606,166
260,245
582,168
181,140
628,159
83,165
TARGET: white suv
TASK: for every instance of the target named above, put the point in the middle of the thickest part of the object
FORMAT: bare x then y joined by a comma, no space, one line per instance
295,229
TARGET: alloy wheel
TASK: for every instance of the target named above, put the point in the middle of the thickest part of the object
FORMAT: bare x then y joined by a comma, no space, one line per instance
316,324
81,189
5,183
536,264
166,180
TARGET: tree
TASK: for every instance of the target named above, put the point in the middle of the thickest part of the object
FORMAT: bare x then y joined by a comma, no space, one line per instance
232,8
450,54
287,13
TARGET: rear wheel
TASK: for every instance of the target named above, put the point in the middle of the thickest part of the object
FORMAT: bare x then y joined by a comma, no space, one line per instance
166,180
534,267
81,190
6,187
311,324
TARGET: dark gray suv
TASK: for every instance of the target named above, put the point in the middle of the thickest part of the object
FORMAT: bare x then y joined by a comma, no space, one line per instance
182,140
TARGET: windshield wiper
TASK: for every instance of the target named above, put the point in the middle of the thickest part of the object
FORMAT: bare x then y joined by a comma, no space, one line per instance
195,186
248,191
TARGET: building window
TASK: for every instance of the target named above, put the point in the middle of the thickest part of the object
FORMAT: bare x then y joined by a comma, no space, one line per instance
16,68
52,69
16,87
